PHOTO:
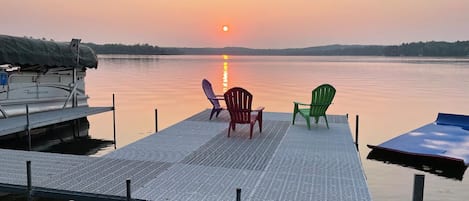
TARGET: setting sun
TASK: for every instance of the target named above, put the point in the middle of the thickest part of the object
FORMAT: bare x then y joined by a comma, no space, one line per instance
225,28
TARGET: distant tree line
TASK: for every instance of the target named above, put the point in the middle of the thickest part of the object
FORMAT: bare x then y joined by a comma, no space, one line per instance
432,48
124,49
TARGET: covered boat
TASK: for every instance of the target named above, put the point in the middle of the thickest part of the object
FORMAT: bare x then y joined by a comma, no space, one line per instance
44,75
440,147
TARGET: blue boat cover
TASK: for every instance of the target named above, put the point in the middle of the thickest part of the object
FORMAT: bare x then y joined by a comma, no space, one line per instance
447,137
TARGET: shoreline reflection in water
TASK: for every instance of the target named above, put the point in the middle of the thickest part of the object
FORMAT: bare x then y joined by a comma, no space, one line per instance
59,138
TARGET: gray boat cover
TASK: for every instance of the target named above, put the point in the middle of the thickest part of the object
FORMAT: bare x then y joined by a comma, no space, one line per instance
26,52
447,137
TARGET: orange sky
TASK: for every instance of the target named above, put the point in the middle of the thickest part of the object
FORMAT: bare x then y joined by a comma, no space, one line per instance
255,24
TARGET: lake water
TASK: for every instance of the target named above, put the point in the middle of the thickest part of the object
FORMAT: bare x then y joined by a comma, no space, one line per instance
391,96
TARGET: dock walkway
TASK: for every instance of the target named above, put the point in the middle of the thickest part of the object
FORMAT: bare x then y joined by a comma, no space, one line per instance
19,123
194,160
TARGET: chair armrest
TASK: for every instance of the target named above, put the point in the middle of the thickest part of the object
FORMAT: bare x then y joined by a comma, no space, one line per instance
258,109
298,103
217,98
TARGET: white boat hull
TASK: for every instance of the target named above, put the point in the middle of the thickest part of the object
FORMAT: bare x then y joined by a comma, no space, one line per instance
41,91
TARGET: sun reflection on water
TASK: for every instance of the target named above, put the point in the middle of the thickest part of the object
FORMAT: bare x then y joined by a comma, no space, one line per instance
225,73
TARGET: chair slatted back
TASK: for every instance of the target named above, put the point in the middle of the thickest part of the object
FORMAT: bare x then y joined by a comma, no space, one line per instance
321,98
208,90
238,103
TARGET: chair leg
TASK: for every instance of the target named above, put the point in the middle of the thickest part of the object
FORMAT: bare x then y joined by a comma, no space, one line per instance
327,124
233,126
250,133
229,129
295,110
316,119
308,122
260,121
218,111
211,114
260,126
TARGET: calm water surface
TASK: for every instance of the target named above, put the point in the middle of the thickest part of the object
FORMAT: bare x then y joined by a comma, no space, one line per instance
391,95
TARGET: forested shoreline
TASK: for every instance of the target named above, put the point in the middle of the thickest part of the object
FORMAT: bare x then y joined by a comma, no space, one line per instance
432,48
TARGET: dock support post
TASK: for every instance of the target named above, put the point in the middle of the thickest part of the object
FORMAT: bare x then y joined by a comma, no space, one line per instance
74,128
156,120
28,176
114,119
28,127
75,43
238,194
419,181
129,198
356,132
78,127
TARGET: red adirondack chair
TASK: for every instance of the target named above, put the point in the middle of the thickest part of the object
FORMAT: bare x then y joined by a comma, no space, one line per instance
214,99
238,103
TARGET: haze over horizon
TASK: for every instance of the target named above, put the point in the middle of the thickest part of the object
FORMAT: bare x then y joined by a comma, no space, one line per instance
260,24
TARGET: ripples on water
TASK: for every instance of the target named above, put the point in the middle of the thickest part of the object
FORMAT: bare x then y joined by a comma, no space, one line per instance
391,95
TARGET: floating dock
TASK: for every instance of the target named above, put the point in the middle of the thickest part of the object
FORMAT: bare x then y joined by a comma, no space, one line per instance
195,160
20,123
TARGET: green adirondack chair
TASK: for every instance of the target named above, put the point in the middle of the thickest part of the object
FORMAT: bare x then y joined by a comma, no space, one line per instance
321,99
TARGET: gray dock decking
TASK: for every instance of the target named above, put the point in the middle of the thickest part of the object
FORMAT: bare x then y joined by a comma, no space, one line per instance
194,160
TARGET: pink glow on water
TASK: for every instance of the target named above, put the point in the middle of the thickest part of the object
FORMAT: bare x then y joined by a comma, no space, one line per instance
391,95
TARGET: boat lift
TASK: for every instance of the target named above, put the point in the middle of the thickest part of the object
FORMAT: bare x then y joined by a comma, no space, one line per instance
40,54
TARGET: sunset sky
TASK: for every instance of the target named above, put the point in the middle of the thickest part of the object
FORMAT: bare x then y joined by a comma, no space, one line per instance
254,24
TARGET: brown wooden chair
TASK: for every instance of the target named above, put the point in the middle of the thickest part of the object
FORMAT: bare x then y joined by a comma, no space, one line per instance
238,103
214,99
